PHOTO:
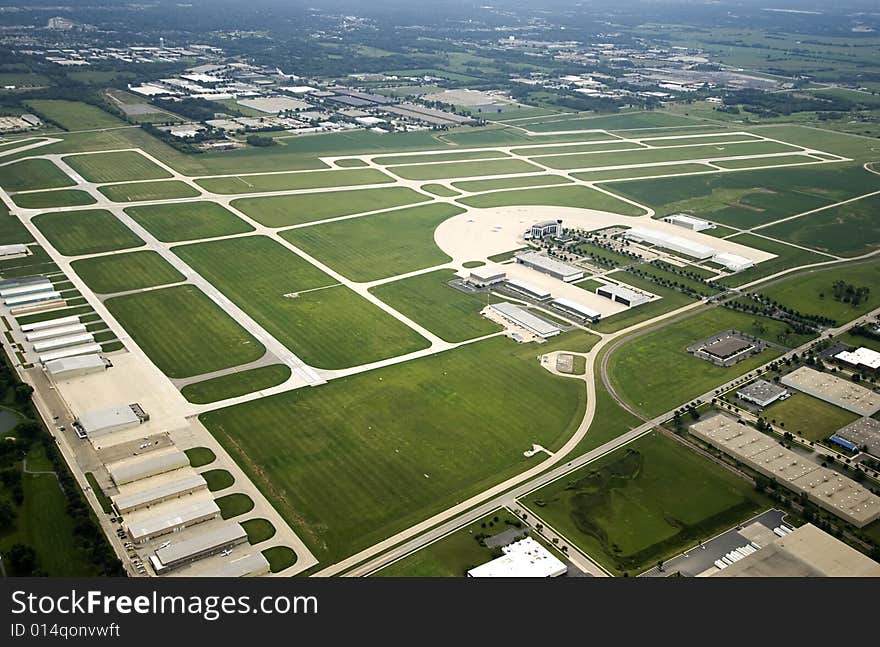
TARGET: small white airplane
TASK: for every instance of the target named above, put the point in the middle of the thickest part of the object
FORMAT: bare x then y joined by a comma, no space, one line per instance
226,553
165,545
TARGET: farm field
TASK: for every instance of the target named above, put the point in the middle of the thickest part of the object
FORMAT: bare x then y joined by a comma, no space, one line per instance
172,223
73,115
564,196
183,332
239,383
808,417
53,199
378,246
137,191
286,210
121,272
116,167
93,231
463,169
28,175
292,181
478,186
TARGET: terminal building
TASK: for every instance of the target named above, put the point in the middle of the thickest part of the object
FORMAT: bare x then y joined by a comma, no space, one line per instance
523,558
208,542
140,467
547,265
688,222
101,422
862,359
548,228
574,309
830,388
761,393
621,294
671,242
70,367
524,319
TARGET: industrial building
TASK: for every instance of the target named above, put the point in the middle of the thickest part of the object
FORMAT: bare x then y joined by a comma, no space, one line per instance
762,393
140,467
688,222
838,494
671,242
733,262
100,422
835,390
547,265
206,543
483,277
804,552
524,319
70,367
580,312
864,433
523,558
70,351
171,520
621,294
532,291
548,228
157,489
861,359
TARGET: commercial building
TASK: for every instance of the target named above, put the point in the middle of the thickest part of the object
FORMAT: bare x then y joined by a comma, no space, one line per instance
688,222
532,291
861,359
171,520
524,319
59,331
204,544
671,242
575,309
483,277
51,323
71,351
101,422
523,558
864,433
838,494
70,367
548,228
830,388
804,552
157,489
140,467
621,294
547,265
725,349
733,262
762,393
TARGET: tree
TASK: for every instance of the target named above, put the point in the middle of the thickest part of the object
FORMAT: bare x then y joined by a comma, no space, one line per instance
7,516
22,559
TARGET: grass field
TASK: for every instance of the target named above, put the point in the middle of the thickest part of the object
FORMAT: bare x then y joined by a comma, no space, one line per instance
53,199
450,314
594,147
564,196
230,386
352,462
28,175
477,186
12,231
440,190
439,157
808,417
654,372
74,115
258,530
279,558
293,181
328,328
786,257
378,246
643,171
173,223
200,456
137,191
218,479
92,231
644,502
233,505
183,332
670,300
120,272
720,138
285,210
767,161
116,167
463,169
611,122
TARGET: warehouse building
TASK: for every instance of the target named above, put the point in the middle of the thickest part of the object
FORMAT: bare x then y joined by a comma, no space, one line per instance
524,319
830,388
70,367
51,323
206,543
59,331
838,494
71,351
862,359
527,289
547,265
574,309
523,558
621,294
483,277
157,489
548,228
671,242
140,467
7,251
688,222
171,520
101,422
252,565
762,393
864,433
733,262
28,288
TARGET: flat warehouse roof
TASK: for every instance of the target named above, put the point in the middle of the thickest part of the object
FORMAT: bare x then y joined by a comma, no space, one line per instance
61,342
548,264
577,307
81,362
673,242
528,287
158,462
523,558
526,319
206,540
52,323
861,357
159,492
173,518
864,432
98,420
58,331
761,390
70,351
833,389
727,347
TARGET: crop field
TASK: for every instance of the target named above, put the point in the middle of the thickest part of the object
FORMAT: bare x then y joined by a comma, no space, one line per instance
786,257
136,191
74,115
183,332
235,384
362,457
645,502
463,169
172,223
286,210
808,417
378,246
121,272
292,181
28,175
53,199
116,167
477,186
564,196
93,231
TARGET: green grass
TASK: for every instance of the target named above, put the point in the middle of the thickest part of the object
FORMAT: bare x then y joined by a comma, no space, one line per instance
230,386
183,332
464,169
440,190
670,300
786,258
12,231
378,246
765,162
350,163
450,314
282,211
218,479
173,223
643,171
622,121
611,420
258,530
808,417
439,157
703,139
121,272
595,147
566,196
92,231
116,167
589,285
293,181
73,115
103,500
654,372
53,199
233,505
279,558
644,502
472,264
362,457
138,191
328,328
200,456
28,175
478,186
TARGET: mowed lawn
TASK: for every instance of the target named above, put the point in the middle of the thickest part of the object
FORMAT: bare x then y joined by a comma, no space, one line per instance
428,158
74,115
644,502
285,210
809,417
786,257
362,457
173,223
378,246
564,196
594,147
235,384
183,332
450,314
28,175
135,191
655,373
116,167
644,171
131,271
92,231
477,186
328,328
53,199
293,181
463,169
